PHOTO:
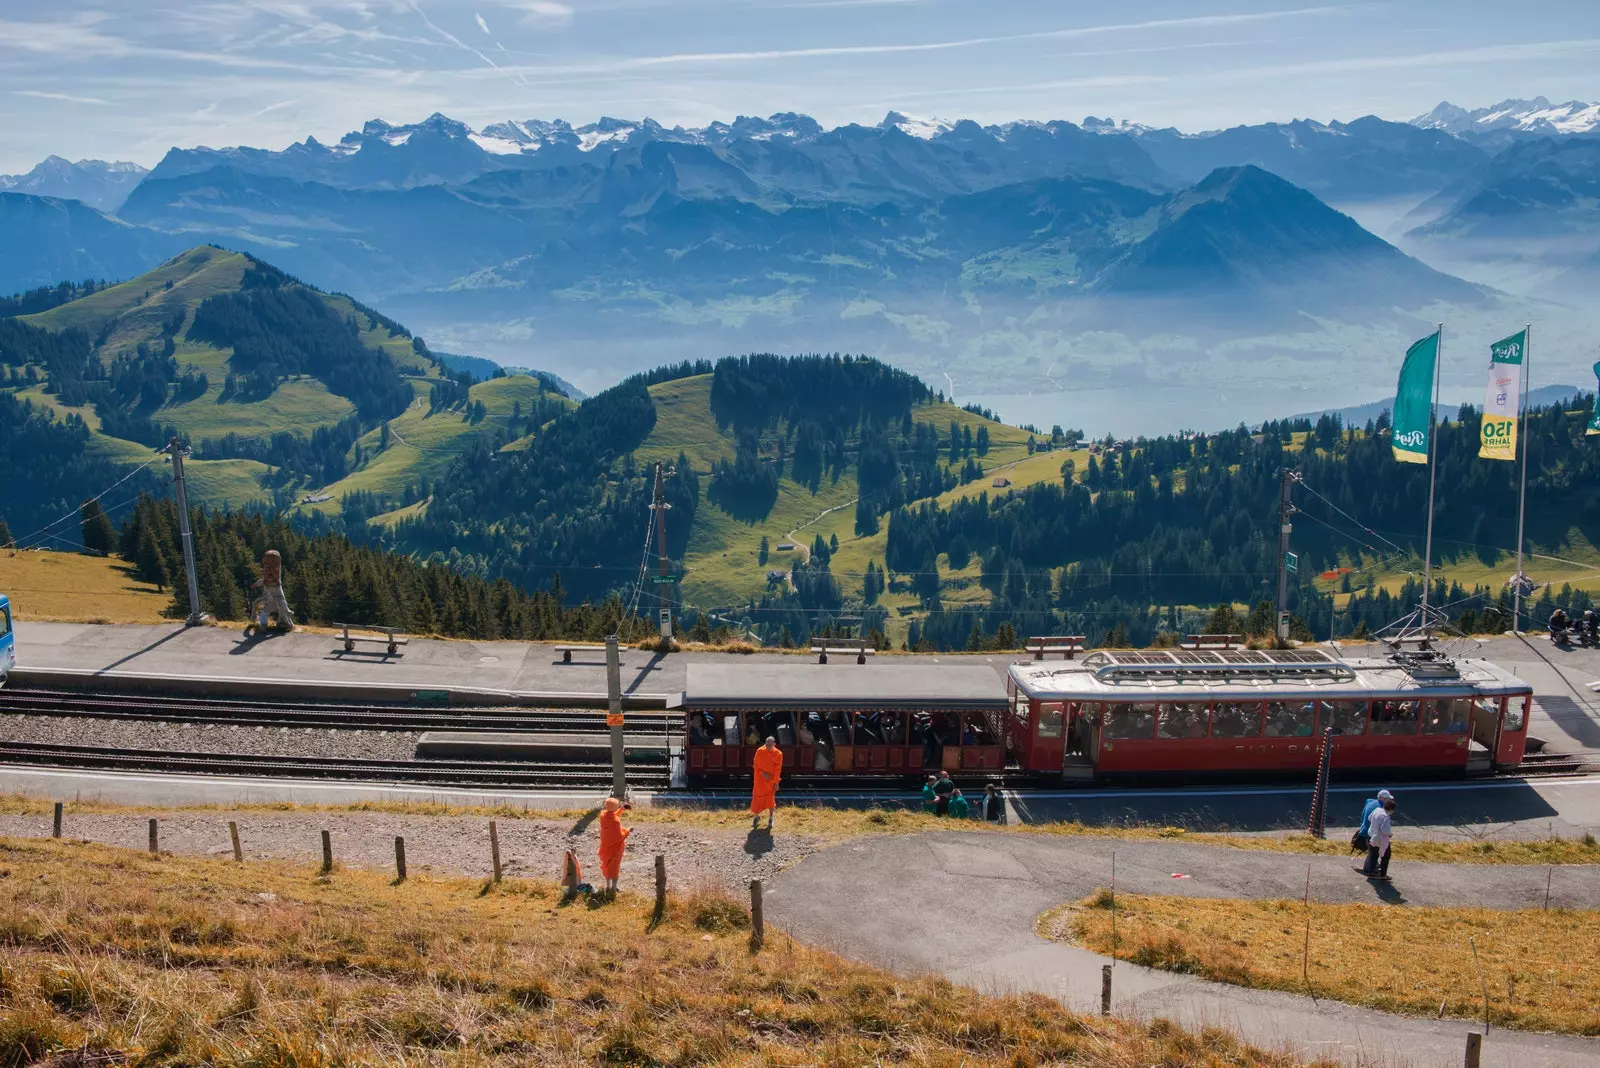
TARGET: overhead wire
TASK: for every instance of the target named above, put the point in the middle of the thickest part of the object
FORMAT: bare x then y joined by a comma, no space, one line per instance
21,542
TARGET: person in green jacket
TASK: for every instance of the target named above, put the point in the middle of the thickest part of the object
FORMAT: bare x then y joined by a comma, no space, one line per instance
959,807
930,800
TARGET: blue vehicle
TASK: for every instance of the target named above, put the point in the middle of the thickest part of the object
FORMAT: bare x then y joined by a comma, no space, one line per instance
8,641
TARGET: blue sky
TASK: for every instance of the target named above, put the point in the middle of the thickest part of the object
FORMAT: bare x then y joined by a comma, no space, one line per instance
129,79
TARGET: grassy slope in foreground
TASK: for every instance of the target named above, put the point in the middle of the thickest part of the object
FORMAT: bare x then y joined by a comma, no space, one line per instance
206,961
69,588
723,562
1539,966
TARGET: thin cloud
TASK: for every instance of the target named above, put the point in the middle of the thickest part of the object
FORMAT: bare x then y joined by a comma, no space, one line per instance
453,39
541,10
41,94
1487,54
482,25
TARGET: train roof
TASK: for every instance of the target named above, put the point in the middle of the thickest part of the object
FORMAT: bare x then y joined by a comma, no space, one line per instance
843,686
1246,674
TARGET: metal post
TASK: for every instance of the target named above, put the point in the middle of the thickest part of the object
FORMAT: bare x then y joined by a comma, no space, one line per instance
494,849
619,770
178,452
1105,990
1433,432
1522,489
1317,824
1285,510
663,588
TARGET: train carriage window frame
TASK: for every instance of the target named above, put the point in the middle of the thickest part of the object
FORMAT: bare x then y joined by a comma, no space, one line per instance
1345,713
1184,714
1223,713
1289,719
1129,712
1517,711
1052,719
1396,718
1448,715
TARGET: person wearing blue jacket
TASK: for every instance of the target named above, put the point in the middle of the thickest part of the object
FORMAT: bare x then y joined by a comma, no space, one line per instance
1359,841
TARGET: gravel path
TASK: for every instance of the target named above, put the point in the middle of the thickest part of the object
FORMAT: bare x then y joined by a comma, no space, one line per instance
210,737
456,845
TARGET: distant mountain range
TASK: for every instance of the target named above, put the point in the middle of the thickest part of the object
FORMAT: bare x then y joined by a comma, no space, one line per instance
996,253
95,182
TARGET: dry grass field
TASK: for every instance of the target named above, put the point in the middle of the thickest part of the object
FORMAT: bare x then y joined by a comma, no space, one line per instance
118,957
71,588
1539,968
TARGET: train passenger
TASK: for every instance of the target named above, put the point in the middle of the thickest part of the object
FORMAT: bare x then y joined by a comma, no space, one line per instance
994,805
959,807
752,734
701,729
768,769
942,791
613,839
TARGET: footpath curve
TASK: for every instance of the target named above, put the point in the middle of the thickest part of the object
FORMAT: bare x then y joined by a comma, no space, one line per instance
963,905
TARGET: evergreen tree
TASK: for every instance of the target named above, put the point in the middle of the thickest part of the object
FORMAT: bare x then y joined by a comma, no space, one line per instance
5,534
763,552
99,536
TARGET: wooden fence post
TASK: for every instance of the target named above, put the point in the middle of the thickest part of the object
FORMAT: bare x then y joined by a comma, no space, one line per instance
1474,1048
233,836
494,849
758,924
55,830
1105,990
661,885
399,859
154,839
327,853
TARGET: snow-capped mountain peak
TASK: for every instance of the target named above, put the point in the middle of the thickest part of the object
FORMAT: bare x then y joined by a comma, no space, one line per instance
1538,115
925,129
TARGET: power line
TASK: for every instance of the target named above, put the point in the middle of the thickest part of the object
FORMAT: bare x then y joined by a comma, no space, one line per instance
77,510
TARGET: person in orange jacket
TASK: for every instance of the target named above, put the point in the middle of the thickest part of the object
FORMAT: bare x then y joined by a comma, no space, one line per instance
613,836
768,768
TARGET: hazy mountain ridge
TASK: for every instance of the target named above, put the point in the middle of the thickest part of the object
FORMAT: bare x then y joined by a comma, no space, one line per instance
95,182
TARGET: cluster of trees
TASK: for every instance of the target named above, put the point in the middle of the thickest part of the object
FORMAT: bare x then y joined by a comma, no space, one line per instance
279,328
33,301
323,457
572,502
329,579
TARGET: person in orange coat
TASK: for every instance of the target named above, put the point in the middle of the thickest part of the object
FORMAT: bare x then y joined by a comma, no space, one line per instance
768,766
613,835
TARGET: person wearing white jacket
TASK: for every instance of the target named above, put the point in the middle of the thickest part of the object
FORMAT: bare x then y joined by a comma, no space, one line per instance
1381,830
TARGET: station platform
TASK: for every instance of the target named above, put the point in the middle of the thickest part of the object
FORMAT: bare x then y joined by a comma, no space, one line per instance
311,665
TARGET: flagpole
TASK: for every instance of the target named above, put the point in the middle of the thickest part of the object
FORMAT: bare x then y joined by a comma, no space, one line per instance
1427,549
1522,489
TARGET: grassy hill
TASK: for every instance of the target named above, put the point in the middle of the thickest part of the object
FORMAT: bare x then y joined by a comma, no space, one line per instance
139,316
723,566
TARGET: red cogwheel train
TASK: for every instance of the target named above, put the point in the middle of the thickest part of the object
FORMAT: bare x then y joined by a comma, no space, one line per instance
1111,715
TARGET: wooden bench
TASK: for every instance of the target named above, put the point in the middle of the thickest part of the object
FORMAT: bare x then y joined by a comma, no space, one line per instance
566,651
856,647
1065,644
1212,641
391,638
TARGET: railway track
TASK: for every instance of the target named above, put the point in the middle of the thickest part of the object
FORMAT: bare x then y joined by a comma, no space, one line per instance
644,769
323,716
1558,764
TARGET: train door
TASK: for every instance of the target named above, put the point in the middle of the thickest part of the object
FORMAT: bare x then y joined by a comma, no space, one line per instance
1487,714
1512,743
1048,744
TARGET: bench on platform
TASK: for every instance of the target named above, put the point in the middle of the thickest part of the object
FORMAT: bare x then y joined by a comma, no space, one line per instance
566,651
391,638
1212,641
1066,644
856,647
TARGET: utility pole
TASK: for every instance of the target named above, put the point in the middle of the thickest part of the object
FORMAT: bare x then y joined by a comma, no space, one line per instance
614,720
1285,510
178,451
663,578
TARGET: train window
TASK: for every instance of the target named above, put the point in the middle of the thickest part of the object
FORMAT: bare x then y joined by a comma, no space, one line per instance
1130,721
1291,719
1346,717
1049,721
1395,717
1450,716
1233,719
1182,719
1517,713
5,622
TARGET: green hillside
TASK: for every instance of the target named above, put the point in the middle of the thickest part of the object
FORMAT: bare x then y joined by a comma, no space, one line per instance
723,566
151,369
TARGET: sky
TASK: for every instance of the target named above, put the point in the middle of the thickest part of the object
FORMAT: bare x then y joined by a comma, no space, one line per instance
127,80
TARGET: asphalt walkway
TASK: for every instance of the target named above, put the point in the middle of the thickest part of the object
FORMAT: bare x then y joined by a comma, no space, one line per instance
963,905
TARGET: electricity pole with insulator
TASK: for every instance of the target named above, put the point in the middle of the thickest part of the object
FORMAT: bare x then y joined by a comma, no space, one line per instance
1285,560
663,577
178,451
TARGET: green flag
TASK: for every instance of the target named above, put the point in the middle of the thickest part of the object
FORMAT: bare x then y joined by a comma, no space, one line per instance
1594,416
1413,401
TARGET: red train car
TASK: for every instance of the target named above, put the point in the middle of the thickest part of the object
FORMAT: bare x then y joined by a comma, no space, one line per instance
842,719
1245,711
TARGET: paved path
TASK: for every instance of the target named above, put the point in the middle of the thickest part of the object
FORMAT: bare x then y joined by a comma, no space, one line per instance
964,904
